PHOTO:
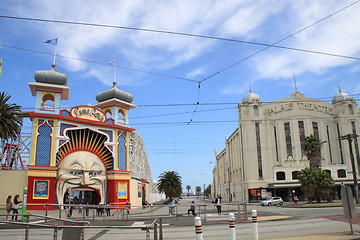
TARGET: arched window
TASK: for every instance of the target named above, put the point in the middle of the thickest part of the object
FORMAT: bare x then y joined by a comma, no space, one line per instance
48,102
108,113
328,172
351,110
121,117
341,173
256,111
295,175
280,176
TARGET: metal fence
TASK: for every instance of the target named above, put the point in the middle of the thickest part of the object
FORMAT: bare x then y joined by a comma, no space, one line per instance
59,230
124,213
77,218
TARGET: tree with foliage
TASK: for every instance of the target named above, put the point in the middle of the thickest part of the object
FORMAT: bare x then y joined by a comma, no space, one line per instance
326,185
198,190
207,191
316,184
10,122
170,184
188,187
312,146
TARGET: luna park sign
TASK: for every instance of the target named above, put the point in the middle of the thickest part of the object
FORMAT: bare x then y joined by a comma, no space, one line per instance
302,106
89,113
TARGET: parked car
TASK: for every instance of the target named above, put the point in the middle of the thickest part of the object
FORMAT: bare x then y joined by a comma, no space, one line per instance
272,201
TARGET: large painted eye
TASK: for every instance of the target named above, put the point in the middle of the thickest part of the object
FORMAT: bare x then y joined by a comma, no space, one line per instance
76,173
95,173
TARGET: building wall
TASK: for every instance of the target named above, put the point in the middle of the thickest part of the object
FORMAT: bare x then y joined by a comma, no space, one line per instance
263,146
13,182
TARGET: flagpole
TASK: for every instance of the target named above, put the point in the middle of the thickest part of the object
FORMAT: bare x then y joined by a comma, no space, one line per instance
114,63
55,51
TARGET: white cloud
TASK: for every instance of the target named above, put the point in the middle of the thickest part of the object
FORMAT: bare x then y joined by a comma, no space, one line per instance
334,35
260,21
196,72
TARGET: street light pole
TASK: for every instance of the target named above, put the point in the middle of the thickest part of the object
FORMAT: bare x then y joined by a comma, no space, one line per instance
204,192
356,188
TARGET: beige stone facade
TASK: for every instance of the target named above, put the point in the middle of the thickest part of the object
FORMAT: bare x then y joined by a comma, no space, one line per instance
263,156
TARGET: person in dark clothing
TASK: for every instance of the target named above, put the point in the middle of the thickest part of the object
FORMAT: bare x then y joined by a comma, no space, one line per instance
192,209
15,207
218,201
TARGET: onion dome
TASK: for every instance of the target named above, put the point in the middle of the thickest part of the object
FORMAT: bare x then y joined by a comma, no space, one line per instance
116,93
340,97
50,76
251,98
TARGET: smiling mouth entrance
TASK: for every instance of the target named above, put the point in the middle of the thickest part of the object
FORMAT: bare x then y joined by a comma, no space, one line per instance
82,196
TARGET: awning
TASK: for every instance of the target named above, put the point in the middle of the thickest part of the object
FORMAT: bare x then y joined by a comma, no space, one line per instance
290,185
284,185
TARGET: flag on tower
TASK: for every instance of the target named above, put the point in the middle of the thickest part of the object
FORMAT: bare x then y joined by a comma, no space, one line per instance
51,41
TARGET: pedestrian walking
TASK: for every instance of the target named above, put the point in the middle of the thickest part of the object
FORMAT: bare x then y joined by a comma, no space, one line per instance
218,201
171,208
8,205
15,207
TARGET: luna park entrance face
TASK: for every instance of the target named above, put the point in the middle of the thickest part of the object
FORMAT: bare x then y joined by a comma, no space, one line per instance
85,174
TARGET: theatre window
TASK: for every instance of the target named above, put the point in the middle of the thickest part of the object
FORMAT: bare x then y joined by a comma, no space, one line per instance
295,175
280,176
341,173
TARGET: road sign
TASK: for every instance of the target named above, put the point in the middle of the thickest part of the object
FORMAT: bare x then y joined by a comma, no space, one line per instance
348,204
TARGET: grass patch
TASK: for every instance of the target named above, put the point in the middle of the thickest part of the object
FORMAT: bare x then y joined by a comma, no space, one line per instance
322,205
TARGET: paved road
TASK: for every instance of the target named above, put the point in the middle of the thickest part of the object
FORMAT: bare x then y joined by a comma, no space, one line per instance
301,228
274,223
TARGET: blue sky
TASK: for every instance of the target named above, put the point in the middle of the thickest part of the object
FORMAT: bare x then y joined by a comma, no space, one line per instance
166,104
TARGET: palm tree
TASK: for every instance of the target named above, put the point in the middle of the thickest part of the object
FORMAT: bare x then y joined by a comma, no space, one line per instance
198,190
10,122
312,146
170,184
307,178
326,185
188,187
207,191
316,184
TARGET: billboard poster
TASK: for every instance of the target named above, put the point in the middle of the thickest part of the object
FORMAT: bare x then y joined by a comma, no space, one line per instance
122,192
41,189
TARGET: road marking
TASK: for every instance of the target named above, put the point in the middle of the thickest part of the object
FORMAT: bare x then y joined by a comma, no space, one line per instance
138,224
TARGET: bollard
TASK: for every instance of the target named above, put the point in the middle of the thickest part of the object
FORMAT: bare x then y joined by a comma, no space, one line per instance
46,211
160,230
55,237
232,226
27,228
155,231
255,225
198,228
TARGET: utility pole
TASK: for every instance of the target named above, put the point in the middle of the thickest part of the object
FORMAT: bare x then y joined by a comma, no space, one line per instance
204,192
229,179
349,137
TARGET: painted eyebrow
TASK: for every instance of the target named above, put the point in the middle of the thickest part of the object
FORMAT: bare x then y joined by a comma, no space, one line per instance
77,163
95,165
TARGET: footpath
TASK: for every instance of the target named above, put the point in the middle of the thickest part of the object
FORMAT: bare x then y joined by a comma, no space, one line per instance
205,210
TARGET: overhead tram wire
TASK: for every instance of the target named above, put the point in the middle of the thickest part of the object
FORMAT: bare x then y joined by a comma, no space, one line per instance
99,63
315,100
283,39
180,113
182,34
200,36
274,45
197,103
